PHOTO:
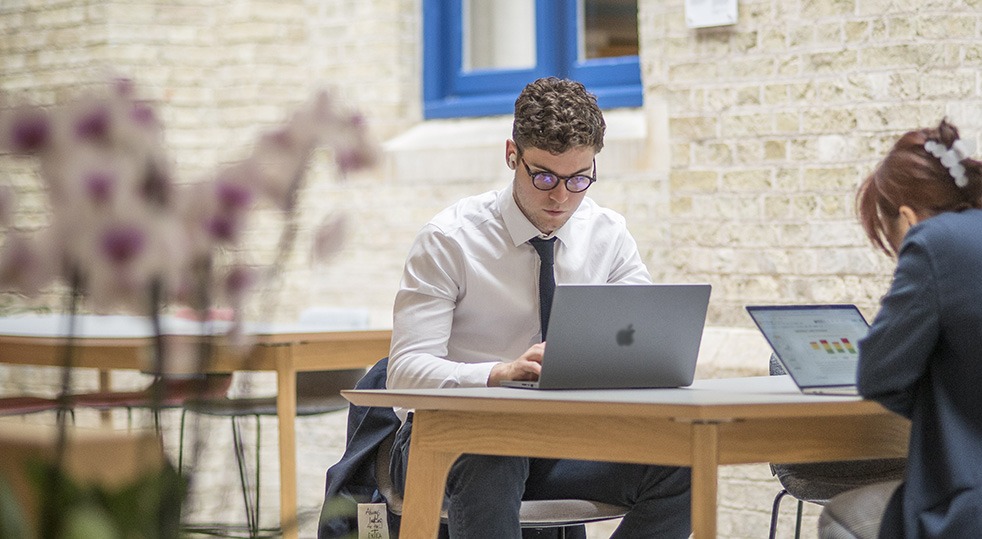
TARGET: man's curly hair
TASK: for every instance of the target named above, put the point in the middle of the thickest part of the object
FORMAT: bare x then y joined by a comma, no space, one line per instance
557,115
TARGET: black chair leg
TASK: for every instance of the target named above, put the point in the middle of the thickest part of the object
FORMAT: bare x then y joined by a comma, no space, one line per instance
250,495
243,477
180,446
774,512
60,414
255,522
797,525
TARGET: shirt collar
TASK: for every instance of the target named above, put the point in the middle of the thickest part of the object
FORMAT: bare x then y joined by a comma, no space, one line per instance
519,227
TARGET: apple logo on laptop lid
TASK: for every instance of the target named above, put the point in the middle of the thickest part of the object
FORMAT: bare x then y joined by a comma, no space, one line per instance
625,336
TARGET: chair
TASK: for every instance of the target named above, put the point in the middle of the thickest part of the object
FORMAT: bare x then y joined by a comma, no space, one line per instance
318,392
538,514
25,404
167,390
857,514
174,392
362,475
818,482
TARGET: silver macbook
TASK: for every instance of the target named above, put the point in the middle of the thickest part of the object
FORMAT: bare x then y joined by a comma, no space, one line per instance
816,344
623,336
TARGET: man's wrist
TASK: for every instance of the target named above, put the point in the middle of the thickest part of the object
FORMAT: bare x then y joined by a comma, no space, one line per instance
497,374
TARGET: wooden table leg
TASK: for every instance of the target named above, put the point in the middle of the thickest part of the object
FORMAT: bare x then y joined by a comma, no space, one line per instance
286,413
705,468
105,385
426,482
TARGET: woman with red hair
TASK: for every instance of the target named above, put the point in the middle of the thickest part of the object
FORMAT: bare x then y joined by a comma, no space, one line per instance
922,357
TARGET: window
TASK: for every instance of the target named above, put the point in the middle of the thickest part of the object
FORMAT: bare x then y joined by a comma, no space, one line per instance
479,54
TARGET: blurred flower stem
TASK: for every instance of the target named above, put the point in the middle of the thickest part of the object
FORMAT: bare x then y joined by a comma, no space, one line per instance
124,235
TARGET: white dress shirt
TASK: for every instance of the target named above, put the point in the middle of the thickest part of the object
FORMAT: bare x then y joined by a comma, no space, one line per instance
469,293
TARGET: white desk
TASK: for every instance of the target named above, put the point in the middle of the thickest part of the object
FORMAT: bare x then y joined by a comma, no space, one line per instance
122,342
715,422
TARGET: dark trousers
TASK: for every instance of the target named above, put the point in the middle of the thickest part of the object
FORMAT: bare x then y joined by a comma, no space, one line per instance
485,492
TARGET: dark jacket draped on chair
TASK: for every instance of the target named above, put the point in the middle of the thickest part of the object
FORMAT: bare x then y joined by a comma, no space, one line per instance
352,479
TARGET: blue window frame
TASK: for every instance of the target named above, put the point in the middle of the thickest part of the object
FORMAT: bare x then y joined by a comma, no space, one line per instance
450,92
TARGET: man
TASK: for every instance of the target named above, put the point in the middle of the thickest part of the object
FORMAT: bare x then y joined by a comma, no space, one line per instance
467,314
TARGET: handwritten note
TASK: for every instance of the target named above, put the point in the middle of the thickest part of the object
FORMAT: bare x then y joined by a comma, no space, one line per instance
373,521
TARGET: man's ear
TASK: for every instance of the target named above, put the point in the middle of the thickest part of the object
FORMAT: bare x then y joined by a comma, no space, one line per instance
511,154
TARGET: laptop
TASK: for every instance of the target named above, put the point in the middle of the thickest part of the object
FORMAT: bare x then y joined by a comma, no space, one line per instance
620,336
816,344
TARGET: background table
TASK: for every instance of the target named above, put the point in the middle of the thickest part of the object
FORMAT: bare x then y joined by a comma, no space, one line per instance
711,423
122,342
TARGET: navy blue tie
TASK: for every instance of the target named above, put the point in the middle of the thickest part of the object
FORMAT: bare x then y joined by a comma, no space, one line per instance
547,278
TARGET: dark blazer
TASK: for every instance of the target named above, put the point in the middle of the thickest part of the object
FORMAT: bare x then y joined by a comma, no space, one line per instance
923,359
352,479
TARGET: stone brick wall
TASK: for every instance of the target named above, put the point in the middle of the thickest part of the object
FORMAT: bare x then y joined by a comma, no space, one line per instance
752,141
220,72
773,122
740,169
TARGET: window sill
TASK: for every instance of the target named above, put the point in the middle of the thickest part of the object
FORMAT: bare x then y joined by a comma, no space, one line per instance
473,149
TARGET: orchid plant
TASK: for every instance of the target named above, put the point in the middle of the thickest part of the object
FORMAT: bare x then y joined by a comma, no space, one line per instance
124,235
122,228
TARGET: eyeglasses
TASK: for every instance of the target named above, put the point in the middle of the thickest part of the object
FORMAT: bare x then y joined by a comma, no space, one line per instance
547,181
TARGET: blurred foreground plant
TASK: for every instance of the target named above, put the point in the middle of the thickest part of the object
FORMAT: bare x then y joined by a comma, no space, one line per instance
124,235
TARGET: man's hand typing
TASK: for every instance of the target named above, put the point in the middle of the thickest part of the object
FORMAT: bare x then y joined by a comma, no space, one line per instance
526,367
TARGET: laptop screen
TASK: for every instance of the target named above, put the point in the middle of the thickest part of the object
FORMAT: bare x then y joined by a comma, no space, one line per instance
816,343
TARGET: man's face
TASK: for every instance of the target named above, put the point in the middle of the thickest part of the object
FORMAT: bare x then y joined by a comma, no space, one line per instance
549,210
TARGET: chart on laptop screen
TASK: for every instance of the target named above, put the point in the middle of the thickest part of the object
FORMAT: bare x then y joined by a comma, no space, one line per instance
817,344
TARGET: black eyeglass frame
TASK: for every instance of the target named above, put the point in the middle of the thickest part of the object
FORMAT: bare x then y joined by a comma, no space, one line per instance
592,178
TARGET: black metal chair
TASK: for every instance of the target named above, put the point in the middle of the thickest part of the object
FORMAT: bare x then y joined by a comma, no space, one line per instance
168,390
26,404
164,393
820,481
318,392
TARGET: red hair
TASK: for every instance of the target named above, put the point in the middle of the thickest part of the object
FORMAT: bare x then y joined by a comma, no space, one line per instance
910,176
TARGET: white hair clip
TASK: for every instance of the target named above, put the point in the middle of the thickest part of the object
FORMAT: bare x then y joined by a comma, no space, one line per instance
952,157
